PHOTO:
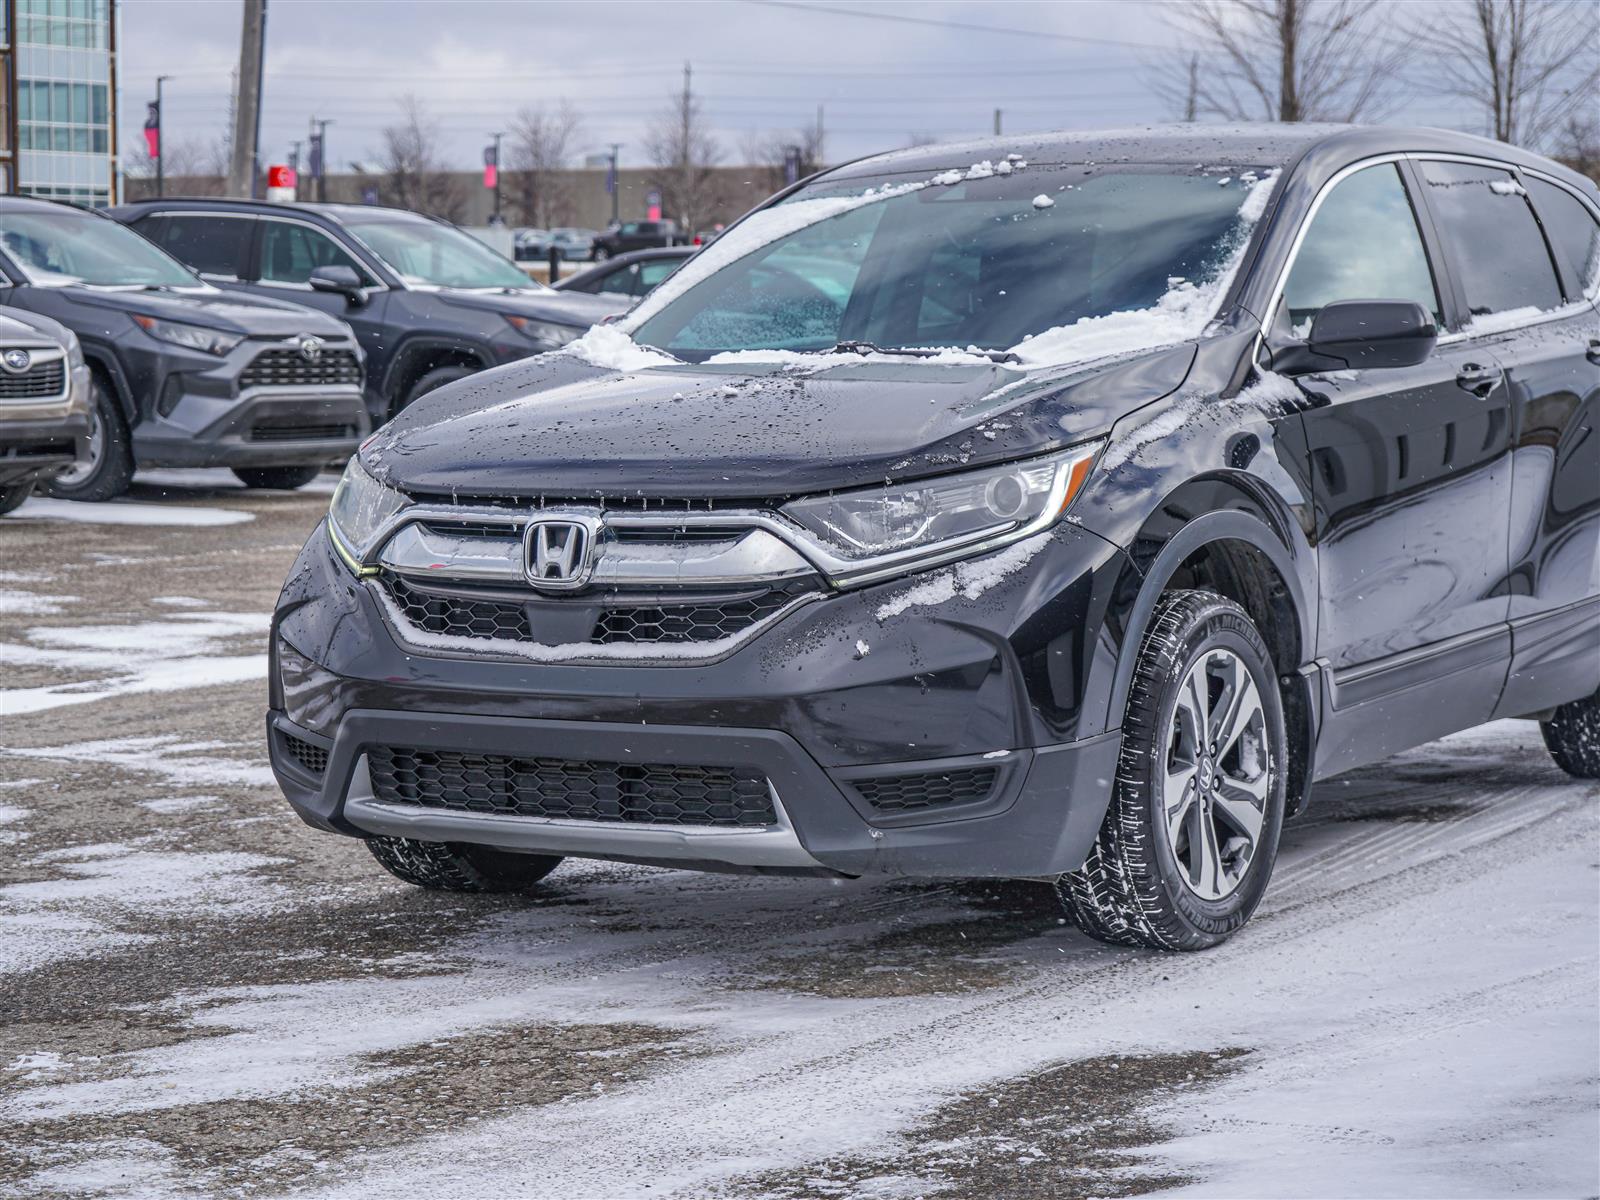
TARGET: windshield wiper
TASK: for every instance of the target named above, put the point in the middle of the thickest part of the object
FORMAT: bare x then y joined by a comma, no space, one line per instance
860,347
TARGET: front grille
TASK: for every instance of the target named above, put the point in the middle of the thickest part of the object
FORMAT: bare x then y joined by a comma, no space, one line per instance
277,431
929,789
685,623
313,758
571,789
458,614
290,368
41,380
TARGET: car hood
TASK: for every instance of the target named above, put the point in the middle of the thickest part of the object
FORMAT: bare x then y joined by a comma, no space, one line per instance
560,308
253,316
31,329
558,426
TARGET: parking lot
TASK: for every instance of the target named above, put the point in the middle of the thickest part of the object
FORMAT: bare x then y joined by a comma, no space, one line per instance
201,997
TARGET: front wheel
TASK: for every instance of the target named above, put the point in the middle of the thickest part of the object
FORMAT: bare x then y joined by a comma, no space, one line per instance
107,470
1572,735
12,497
1189,840
460,866
599,254
283,478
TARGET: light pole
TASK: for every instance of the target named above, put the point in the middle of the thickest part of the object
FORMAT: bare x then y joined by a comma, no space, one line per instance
161,150
495,220
616,184
320,145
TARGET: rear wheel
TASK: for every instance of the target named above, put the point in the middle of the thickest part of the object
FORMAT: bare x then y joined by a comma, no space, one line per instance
1572,735
11,497
1189,840
108,469
599,254
460,866
284,478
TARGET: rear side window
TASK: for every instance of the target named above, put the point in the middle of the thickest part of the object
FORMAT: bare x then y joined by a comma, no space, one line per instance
1572,229
652,273
1494,242
1363,244
211,245
290,252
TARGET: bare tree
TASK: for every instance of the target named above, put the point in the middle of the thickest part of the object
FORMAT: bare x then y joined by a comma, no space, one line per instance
684,156
1530,64
542,143
1578,144
1282,60
192,168
771,153
413,174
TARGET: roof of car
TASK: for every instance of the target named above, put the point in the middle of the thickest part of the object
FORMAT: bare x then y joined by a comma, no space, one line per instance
333,212
29,204
1257,145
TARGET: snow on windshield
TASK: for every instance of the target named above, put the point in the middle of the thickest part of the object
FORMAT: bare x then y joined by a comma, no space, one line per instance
1179,313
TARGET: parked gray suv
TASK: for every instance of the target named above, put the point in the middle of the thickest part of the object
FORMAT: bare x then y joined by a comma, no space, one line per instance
44,404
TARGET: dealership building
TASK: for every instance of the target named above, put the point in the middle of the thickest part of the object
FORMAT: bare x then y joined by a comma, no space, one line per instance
58,90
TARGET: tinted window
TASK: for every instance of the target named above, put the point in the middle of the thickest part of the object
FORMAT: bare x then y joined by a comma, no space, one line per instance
1572,228
1495,244
652,273
990,260
290,252
212,245
1363,244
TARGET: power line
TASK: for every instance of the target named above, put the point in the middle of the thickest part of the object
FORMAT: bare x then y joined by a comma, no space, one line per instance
970,27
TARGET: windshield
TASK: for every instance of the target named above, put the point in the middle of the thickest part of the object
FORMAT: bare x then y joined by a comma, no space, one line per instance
55,249
427,254
1045,262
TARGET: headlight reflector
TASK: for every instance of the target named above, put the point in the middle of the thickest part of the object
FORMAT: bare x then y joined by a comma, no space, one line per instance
361,508
195,337
904,524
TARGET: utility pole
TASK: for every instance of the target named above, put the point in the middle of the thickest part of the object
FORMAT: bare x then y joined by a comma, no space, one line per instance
294,165
820,156
616,185
997,122
682,200
247,110
319,141
1191,97
161,146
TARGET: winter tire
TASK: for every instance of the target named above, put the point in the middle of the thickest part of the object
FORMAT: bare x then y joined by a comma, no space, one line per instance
1191,833
435,378
460,866
1572,735
11,497
108,470
283,478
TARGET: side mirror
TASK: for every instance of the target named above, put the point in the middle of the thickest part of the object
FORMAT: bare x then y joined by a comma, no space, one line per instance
341,280
1358,334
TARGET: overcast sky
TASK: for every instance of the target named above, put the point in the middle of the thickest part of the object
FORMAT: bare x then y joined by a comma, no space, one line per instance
931,70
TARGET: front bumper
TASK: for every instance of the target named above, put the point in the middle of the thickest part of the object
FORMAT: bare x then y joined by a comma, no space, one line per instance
41,447
1011,679
262,428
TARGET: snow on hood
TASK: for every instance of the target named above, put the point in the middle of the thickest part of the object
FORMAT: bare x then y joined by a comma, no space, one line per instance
1181,314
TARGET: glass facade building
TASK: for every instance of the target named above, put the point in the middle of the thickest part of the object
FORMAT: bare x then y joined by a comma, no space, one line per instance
59,90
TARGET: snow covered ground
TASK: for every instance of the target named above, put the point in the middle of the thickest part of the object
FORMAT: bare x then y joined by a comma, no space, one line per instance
201,997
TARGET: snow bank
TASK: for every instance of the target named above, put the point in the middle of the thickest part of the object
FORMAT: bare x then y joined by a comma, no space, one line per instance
119,512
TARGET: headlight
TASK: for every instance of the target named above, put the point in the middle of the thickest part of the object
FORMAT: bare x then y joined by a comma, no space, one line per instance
361,508
880,531
195,337
543,331
74,351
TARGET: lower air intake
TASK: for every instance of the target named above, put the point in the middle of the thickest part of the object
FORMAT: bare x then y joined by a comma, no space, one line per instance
929,789
571,789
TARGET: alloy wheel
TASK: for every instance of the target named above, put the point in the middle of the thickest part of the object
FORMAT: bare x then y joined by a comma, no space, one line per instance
1218,775
78,472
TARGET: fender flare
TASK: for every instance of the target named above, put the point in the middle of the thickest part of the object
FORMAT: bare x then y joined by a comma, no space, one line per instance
1208,528
408,350
102,359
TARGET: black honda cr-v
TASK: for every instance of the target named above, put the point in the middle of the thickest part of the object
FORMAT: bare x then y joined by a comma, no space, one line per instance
182,374
1057,508
429,303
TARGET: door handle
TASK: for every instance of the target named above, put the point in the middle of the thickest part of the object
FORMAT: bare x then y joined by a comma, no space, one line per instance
1594,350
1480,381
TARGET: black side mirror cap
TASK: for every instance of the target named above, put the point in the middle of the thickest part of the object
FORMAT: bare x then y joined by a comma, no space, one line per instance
342,280
1361,334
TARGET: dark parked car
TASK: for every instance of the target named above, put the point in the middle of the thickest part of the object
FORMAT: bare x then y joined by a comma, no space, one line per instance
428,303
635,235
182,374
44,404
634,275
1053,508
